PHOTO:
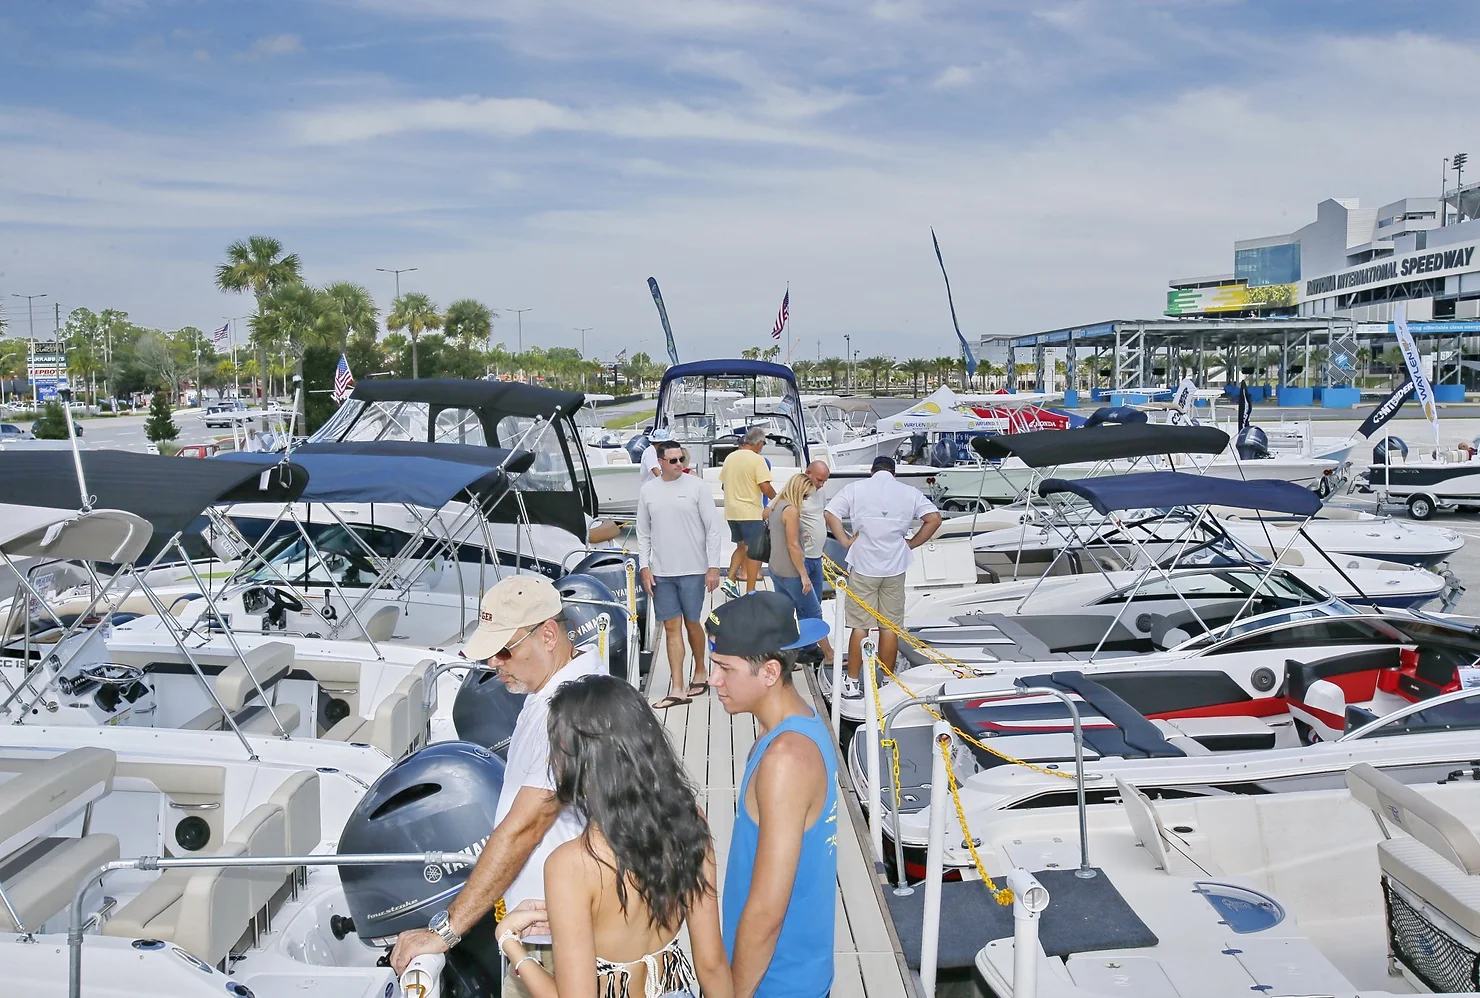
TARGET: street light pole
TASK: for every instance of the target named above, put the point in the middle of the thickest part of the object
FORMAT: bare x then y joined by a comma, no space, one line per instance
847,353
583,330
31,338
397,271
519,314
1459,160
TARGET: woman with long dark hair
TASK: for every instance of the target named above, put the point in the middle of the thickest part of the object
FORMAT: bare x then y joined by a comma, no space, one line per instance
617,896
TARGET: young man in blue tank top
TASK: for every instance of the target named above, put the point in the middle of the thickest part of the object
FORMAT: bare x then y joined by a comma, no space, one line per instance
778,898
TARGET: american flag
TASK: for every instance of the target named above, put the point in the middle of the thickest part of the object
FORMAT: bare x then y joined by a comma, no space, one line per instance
219,335
622,357
344,382
782,315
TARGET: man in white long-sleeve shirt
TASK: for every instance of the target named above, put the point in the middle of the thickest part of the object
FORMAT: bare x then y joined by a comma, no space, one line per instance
678,545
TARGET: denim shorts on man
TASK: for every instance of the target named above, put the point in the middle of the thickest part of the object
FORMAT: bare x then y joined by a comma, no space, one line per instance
677,595
746,532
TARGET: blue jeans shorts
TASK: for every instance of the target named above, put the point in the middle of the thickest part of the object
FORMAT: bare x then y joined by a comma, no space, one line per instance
746,531
679,595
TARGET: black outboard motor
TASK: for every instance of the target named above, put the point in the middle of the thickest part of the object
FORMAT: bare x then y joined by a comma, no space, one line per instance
485,712
611,568
636,446
1387,446
943,454
443,798
1122,415
581,618
1252,444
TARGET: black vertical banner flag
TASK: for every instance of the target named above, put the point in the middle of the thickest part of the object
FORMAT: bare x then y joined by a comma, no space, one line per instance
1387,409
663,314
966,353
1245,406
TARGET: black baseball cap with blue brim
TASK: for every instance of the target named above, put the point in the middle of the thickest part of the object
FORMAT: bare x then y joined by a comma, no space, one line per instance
760,623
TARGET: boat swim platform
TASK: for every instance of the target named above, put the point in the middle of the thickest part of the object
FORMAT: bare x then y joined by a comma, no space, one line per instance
868,958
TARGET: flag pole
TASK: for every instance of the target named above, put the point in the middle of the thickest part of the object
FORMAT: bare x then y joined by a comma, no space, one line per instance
788,323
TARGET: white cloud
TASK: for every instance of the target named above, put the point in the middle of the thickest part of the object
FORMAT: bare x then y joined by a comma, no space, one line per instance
271,46
953,77
569,206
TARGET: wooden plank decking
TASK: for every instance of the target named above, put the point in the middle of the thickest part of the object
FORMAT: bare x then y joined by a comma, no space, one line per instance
714,747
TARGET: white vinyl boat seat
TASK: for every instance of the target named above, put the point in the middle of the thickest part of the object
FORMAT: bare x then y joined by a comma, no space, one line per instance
1145,823
41,798
204,911
1234,733
234,687
41,879
299,798
399,723
263,832
1438,859
382,623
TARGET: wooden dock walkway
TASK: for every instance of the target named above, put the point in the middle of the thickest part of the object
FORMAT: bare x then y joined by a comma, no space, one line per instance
714,747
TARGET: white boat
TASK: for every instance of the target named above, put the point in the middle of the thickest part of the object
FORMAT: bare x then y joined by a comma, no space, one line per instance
1426,481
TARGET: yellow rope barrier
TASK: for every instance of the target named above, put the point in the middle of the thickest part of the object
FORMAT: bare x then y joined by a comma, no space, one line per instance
834,576
1002,895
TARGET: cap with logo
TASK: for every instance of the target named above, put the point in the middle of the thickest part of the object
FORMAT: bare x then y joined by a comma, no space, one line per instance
760,623
659,435
515,602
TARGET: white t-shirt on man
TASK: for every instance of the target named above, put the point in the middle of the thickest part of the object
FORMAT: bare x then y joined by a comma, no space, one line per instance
881,509
528,765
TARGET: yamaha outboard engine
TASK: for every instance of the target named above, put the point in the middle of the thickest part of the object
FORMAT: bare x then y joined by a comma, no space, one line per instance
611,568
1252,444
485,712
636,446
1122,415
442,799
582,619
1387,446
943,454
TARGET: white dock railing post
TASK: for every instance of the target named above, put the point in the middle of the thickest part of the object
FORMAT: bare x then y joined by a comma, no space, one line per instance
840,644
1029,898
874,747
940,734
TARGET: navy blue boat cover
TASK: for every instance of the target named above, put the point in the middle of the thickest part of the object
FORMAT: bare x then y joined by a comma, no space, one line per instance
1046,448
1165,489
426,475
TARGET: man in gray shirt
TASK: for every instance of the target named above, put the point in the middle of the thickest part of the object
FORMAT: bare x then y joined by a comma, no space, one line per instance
678,546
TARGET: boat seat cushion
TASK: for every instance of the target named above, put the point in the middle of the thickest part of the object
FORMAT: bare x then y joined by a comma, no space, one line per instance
298,796
1432,877
1408,810
269,662
382,623
43,796
202,911
41,879
1344,670
1226,734
210,719
348,729
258,720
262,833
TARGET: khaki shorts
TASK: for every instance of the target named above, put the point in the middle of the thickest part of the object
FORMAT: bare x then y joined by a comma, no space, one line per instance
885,595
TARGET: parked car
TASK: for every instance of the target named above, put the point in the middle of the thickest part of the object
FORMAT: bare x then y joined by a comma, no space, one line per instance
36,427
196,450
220,409
9,432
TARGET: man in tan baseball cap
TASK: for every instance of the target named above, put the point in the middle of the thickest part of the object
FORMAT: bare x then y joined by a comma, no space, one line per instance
522,634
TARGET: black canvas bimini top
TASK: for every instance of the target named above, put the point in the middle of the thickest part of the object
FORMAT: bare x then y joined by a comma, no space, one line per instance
1046,448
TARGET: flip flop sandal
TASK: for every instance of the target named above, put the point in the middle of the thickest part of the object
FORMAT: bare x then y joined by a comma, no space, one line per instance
671,701
696,690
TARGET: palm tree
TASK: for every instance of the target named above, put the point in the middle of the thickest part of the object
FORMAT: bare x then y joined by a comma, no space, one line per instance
750,353
297,317
916,369
804,370
469,320
257,264
415,313
876,366
834,366
350,311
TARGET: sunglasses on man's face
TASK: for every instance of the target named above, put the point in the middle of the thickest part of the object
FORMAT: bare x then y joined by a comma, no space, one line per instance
507,652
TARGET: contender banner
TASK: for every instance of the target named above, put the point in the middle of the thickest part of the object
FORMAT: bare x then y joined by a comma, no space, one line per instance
1422,390
1386,410
965,349
663,314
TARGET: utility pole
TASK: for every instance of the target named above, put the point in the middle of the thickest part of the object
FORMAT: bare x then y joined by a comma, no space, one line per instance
1444,194
519,314
847,353
31,339
583,330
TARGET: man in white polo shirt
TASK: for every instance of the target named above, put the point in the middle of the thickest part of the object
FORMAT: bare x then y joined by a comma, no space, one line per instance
880,509
522,634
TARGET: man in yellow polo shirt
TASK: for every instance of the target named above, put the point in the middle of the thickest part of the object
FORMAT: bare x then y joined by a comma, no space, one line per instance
746,477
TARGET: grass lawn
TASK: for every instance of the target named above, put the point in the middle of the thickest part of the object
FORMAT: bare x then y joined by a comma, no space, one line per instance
630,419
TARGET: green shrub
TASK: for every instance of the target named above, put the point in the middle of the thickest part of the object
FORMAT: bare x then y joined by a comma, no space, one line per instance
53,422
161,425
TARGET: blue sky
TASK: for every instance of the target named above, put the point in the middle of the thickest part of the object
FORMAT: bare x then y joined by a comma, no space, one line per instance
552,154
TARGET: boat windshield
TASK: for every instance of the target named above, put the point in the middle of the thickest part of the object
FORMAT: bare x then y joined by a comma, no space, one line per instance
335,557
1461,713
1229,632
1281,587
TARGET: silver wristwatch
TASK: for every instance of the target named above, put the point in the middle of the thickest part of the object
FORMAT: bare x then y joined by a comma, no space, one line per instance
442,926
